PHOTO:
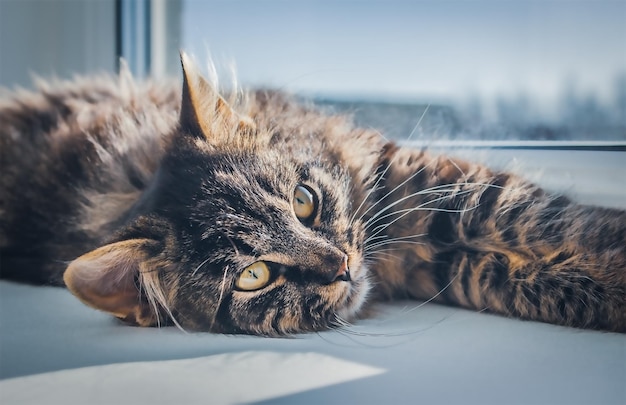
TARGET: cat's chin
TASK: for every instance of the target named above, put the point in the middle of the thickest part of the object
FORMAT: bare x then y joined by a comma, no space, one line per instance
357,292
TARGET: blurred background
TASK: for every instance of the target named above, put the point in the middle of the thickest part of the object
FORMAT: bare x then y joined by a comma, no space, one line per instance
485,69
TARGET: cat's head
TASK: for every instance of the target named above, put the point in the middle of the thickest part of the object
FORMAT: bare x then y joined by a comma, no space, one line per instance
234,235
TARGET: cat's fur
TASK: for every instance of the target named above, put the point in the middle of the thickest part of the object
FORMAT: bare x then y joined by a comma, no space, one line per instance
150,208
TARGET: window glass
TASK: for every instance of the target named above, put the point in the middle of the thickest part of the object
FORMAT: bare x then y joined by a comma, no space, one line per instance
486,69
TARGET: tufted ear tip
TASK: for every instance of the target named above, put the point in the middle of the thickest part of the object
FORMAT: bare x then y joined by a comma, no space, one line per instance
204,112
186,62
190,108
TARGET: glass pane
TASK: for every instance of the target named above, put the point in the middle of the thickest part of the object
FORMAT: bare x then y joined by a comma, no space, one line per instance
483,69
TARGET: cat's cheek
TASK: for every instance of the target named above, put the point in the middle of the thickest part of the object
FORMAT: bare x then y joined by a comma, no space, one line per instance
262,323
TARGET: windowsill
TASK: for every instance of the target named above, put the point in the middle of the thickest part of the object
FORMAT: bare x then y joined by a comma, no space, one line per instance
615,146
590,172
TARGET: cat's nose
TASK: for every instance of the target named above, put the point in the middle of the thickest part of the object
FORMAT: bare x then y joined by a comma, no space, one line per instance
343,274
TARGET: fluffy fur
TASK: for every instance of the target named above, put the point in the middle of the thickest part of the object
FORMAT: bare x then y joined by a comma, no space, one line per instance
150,203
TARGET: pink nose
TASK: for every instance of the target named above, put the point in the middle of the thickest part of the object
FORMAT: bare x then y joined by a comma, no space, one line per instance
343,274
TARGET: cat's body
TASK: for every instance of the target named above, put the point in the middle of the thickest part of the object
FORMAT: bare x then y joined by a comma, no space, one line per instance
270,217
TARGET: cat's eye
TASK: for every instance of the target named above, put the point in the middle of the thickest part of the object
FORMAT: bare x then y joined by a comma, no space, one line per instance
255,276
304,203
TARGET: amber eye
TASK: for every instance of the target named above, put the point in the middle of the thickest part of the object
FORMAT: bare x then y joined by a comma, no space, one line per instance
255,276
303,203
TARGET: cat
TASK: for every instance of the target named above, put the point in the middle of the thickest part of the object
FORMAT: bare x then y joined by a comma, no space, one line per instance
252,212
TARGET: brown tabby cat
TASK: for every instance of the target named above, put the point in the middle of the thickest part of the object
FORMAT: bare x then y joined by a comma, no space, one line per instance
260,215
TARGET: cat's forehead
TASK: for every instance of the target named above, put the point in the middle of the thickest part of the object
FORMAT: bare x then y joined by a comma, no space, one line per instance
274,173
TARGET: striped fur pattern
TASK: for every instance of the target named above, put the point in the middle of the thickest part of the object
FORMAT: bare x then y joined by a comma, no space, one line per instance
150,203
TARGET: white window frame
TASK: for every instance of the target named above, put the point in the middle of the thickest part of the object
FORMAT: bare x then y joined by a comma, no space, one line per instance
149,36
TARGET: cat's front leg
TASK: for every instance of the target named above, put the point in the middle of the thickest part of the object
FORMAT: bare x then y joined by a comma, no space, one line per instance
563,289
496,241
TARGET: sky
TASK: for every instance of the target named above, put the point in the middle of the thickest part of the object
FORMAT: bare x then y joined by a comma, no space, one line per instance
435,49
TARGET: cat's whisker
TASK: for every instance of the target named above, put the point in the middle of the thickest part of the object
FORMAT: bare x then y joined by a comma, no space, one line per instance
219,299
453,163
371,190
353,333
421,208
233,244
148,282
410,332
351,336
389,165
419,122
387,240
444,188
431,299
383,253
193,273
381,227
375,203
370,239
356,333
371,252
341,322
396,242
453,194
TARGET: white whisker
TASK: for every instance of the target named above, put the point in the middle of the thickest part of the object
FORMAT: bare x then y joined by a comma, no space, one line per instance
395,188
386,241
382,175
382,252
219,300
444,188
422,207
386,238
409,242
419,122
193,273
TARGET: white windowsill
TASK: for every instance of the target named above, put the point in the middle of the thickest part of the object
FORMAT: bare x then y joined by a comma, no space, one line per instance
595,177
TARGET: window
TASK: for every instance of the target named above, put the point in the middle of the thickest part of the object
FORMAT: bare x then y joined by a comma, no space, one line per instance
55,38
486,69
476,70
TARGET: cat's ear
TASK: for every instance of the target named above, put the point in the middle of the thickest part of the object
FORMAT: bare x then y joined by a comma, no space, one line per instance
204,112
109,279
